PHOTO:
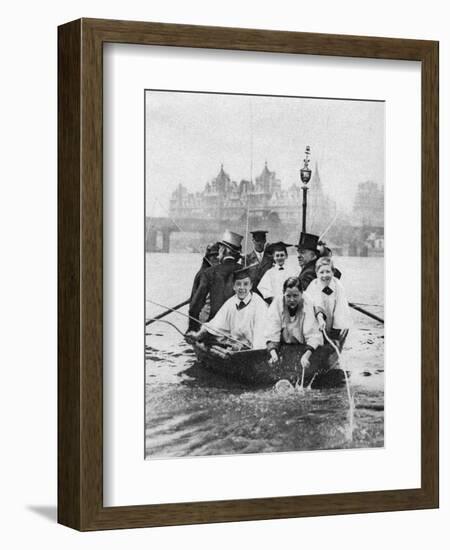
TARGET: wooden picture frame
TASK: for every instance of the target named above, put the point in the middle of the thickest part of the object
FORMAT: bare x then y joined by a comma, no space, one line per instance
80,272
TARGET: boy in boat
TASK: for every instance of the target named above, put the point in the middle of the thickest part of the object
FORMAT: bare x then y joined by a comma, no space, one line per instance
330,302
242,317
216,281
291,320
271,284
260,258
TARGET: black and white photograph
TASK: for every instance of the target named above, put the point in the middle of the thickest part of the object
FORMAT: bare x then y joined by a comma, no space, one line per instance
264,273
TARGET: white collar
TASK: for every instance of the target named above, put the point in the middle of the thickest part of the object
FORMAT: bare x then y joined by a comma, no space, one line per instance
332,284
246,301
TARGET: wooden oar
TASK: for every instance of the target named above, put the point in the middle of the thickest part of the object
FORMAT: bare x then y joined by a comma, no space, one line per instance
365,312
219,332
164,313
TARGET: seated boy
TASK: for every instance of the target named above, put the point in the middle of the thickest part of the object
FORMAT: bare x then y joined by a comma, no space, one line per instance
242,317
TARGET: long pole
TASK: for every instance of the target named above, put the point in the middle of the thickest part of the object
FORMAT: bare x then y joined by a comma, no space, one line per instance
164,313
304,206
365,312
217,331
246,235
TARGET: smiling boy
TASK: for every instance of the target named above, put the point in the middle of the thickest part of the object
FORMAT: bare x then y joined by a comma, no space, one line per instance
271,285
242,316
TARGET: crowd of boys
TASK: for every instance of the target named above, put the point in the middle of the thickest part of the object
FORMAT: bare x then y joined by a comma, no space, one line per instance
258,300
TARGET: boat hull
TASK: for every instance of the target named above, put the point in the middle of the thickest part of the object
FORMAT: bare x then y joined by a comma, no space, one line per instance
252,367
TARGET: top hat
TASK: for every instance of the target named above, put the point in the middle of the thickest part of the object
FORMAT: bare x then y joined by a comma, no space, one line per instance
259,234
308,242
232,240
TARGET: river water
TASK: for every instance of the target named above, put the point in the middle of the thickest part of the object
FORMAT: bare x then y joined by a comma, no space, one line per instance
192,412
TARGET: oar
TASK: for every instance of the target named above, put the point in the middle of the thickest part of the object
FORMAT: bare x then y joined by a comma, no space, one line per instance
164,313
219,332
365,312
168,323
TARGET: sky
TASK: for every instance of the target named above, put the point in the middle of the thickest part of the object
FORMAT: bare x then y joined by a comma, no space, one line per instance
189,135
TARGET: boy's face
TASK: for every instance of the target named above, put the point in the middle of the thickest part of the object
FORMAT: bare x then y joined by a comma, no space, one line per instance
293,297
279,257
242,287
325,274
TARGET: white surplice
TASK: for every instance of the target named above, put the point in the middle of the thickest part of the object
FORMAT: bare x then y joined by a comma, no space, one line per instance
301,328
271,284
333,303
245,325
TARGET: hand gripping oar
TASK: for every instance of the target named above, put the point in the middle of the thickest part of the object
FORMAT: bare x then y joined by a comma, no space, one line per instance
164,313
219,332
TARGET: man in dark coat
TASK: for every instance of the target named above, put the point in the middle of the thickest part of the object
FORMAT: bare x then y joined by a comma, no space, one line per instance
216,281
260,257
210,258
307,254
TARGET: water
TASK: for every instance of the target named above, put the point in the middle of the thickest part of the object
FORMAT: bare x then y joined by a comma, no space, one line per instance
192,412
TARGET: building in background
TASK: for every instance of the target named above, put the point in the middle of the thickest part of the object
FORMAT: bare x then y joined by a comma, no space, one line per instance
195,218
268,203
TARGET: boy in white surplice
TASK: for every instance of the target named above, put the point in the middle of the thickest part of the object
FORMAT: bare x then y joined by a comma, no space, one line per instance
330,302
271,285
242,316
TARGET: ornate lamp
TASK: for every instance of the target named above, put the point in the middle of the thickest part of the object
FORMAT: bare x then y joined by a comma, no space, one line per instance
305,176
305,172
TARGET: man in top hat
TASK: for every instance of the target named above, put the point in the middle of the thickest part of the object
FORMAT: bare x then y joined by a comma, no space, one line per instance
216,281
307,254
271,284
260,257
242,317
210,258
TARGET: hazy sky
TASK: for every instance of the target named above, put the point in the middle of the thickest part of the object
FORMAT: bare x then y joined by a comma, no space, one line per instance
188,136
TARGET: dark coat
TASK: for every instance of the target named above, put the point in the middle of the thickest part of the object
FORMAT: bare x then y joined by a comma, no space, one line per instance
307,274
217,282
205,265
257,272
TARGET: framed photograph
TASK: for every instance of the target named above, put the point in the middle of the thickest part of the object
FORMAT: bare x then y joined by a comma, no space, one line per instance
248,274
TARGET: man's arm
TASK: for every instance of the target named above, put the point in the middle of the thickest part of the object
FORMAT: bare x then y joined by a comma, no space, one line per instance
198,300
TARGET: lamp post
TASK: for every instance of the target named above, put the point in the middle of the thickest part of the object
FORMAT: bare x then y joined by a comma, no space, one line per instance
305,176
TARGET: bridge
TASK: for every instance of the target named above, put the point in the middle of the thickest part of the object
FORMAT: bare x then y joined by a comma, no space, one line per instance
212,227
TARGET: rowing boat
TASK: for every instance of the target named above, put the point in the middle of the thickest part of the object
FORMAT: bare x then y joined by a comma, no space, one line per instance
252,368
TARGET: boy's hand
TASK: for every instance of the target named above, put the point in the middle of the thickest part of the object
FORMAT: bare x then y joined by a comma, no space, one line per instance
235,346
322,323
304,361
273,357
191,336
